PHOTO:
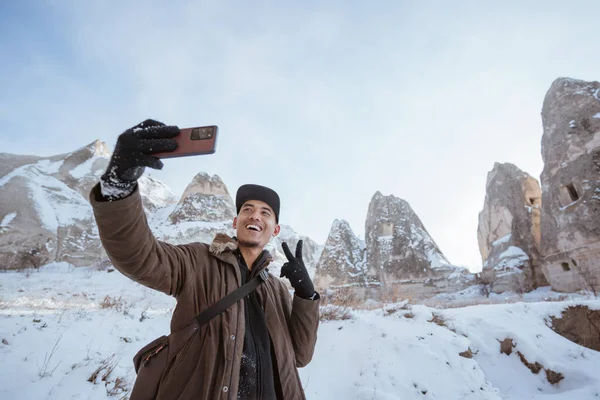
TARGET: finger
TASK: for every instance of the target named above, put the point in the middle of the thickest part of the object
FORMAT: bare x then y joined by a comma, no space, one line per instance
299,249
152,162
284,270
287,251
147,123
158,132
157,145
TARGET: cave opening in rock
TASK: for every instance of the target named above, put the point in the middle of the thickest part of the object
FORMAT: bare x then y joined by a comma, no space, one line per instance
572,192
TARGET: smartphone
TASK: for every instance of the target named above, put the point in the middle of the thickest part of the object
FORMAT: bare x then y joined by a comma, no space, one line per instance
193,142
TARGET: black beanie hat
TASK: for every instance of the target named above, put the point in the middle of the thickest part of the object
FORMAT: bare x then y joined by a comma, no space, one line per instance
257,192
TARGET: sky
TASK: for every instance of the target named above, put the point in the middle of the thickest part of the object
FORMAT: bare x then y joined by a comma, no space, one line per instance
325,102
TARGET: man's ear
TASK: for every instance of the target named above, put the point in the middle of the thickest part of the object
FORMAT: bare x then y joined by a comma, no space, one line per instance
234,222
276,231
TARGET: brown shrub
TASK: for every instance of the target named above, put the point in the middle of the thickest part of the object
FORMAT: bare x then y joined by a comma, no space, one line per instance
467,353
438,319
507,346
332,312
554,377
535,368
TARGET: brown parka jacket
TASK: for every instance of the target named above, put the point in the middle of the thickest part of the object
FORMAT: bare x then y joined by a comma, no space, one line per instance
198,275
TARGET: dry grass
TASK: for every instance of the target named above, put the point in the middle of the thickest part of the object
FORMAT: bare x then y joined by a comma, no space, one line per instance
343,298
392,309
102,265
467,353
117,303
334,313
45,369
438,319
104,370
114,387
119,387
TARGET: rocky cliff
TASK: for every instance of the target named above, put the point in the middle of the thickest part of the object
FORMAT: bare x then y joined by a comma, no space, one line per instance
509,230
342,261
570,223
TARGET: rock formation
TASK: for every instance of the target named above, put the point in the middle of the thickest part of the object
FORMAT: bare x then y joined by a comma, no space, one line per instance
342,261
44,212
509,230
311,251
45,215
398,245
399,250
570,222
206,198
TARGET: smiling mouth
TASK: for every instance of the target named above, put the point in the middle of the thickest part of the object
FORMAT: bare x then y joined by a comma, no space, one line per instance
254,228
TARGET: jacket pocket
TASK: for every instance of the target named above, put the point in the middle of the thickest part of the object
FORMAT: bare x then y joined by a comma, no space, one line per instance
150,363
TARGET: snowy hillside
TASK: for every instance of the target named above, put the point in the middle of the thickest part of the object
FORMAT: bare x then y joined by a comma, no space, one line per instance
45,214
70,333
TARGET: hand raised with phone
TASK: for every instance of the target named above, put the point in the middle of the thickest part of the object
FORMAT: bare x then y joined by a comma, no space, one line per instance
135,150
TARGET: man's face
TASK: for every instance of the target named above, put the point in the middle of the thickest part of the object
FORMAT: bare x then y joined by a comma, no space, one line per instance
255,224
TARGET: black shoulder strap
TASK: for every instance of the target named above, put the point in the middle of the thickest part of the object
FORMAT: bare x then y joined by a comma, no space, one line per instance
209,313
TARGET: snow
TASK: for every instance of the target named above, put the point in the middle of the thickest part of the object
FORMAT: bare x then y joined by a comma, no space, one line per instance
49,167
83,169
503,239
436,259
57,204
5,224
597,115
513,252
511,258
156,192
54,334
568,205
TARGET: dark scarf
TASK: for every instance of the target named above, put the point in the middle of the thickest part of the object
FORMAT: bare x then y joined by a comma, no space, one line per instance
257,378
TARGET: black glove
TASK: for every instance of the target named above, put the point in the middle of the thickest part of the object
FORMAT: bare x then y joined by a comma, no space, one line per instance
296,272
134,150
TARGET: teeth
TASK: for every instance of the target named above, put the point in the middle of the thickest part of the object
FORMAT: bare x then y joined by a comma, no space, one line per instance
254,227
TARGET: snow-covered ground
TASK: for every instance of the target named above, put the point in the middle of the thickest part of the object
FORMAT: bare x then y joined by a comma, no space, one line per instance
57,341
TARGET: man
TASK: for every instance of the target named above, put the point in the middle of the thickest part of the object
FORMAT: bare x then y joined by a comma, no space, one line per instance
253,349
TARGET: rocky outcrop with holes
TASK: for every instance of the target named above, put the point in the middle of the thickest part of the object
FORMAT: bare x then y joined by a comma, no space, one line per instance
342,262
509,230
570,222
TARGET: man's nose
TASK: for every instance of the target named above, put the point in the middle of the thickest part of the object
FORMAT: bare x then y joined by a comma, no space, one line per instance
255,215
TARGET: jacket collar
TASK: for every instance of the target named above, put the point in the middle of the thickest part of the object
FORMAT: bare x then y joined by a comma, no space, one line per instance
222,243
223,247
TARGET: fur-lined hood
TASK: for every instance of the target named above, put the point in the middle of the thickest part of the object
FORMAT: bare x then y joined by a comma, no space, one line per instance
222,243
223,246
